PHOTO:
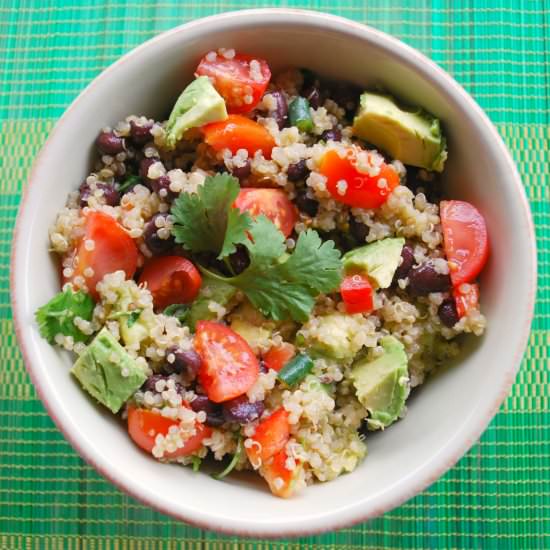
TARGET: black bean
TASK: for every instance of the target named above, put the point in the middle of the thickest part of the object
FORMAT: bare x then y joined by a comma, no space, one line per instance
424,279
358,230
419,180
241,410
110,144
151,384
110,194
407,261
306,204
140,134
280,114
161,186
263,367
447,313
297,171
186,363
239,259
214,412
154,243
144,166
346,95
332,135
313,96
242,172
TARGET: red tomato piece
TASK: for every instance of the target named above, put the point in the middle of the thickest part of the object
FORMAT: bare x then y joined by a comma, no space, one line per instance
465,240
466,301
281,481
241,81
144,426
171,280
229,367
272,203
271,436
357,293
112,250
277,357
238,132
349,186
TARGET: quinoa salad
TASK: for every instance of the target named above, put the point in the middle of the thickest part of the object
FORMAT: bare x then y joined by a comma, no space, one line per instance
263,278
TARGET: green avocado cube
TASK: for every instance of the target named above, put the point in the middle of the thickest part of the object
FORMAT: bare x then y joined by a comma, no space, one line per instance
412,136
211,290
379,260
382,384
107,372
197,105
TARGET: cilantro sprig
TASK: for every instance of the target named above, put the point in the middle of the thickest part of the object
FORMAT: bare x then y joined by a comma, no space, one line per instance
58,315
206,222
280,285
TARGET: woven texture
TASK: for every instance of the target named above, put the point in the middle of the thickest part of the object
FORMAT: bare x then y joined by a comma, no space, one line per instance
497,497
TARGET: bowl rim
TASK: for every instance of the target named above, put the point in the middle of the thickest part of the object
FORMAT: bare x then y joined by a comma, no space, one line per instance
447,457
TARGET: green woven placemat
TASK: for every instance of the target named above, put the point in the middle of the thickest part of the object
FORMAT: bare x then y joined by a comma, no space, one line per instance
497,497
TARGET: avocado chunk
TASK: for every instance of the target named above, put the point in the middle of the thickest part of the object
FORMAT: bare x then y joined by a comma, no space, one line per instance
379,260
382,384
197,105
211,290
137,327
414,137
258,338
333,335
107,372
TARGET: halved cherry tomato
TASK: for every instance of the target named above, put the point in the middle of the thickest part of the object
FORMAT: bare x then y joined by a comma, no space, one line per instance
104,248
171,280
271,436
349,186
229,367
465,240
277,357
239,80
357,293
281,481
144,426
238,132
466,301
272,203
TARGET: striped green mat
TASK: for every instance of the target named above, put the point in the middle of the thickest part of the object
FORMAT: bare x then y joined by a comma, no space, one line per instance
497,497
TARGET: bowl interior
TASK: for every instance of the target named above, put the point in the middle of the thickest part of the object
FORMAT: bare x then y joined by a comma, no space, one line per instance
451,410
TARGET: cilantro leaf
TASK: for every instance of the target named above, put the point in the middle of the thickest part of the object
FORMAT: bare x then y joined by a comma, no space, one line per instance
57,316
133,316
206,221
314,261
179,311
282,286
129,182
234,461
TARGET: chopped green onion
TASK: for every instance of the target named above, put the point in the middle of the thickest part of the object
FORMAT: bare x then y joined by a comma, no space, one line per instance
299,115
130,181
233,463
179,311
296,369
196,462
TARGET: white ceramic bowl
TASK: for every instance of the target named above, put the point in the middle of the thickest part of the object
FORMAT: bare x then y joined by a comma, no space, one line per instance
451,411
